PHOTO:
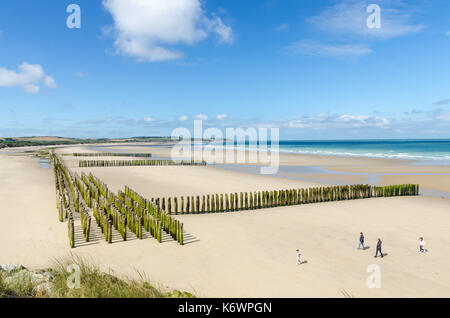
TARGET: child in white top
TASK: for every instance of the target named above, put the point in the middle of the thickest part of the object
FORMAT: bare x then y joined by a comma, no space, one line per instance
421,244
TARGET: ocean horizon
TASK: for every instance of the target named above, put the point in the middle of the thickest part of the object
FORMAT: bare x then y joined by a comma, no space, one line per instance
408,149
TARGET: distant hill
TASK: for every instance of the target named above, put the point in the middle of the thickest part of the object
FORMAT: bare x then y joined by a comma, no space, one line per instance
42,138
9,142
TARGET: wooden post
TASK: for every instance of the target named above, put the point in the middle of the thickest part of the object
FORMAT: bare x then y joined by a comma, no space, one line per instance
187,205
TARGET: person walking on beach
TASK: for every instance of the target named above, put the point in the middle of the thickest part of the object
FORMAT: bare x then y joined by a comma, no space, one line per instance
421,245
379,249
361,241
298,257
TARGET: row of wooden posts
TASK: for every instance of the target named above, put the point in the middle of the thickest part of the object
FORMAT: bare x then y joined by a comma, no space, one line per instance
65,180
230,202
127,163
139,204
85,203
85,219
120,211
152,215
62,197
103,221
81,204
105,214
109,210
111,154
134,221
67,204
71,228
80,201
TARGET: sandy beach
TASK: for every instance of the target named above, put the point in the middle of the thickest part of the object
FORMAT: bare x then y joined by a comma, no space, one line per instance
249,254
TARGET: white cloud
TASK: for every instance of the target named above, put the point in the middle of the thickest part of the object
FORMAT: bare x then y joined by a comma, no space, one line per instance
224,32
325,50
282,27
445,116
32,89
80,74
350,17
148,119
428,123
148,29
201,117
442,102
49,82
362,120
441,114
326,121
29,77
222,116
183,118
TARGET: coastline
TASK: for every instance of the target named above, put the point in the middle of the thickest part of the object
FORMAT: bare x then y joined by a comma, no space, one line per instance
327,169
248,253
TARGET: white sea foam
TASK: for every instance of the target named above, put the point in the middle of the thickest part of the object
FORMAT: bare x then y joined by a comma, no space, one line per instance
441,157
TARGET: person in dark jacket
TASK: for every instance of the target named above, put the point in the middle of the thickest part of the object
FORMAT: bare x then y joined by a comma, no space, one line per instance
361,241
379,249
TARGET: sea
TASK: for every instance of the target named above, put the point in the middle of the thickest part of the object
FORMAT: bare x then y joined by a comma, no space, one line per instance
436,151
428,151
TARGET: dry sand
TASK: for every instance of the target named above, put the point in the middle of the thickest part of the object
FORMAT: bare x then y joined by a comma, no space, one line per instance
243,254
30,233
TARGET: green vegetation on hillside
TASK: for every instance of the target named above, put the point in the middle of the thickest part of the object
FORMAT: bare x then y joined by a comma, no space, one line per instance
53,141
34,141
12,142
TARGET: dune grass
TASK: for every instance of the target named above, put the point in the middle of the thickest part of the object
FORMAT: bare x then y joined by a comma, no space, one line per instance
93,284
23,288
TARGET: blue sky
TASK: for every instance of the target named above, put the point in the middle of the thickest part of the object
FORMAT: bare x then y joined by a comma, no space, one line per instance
144,67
